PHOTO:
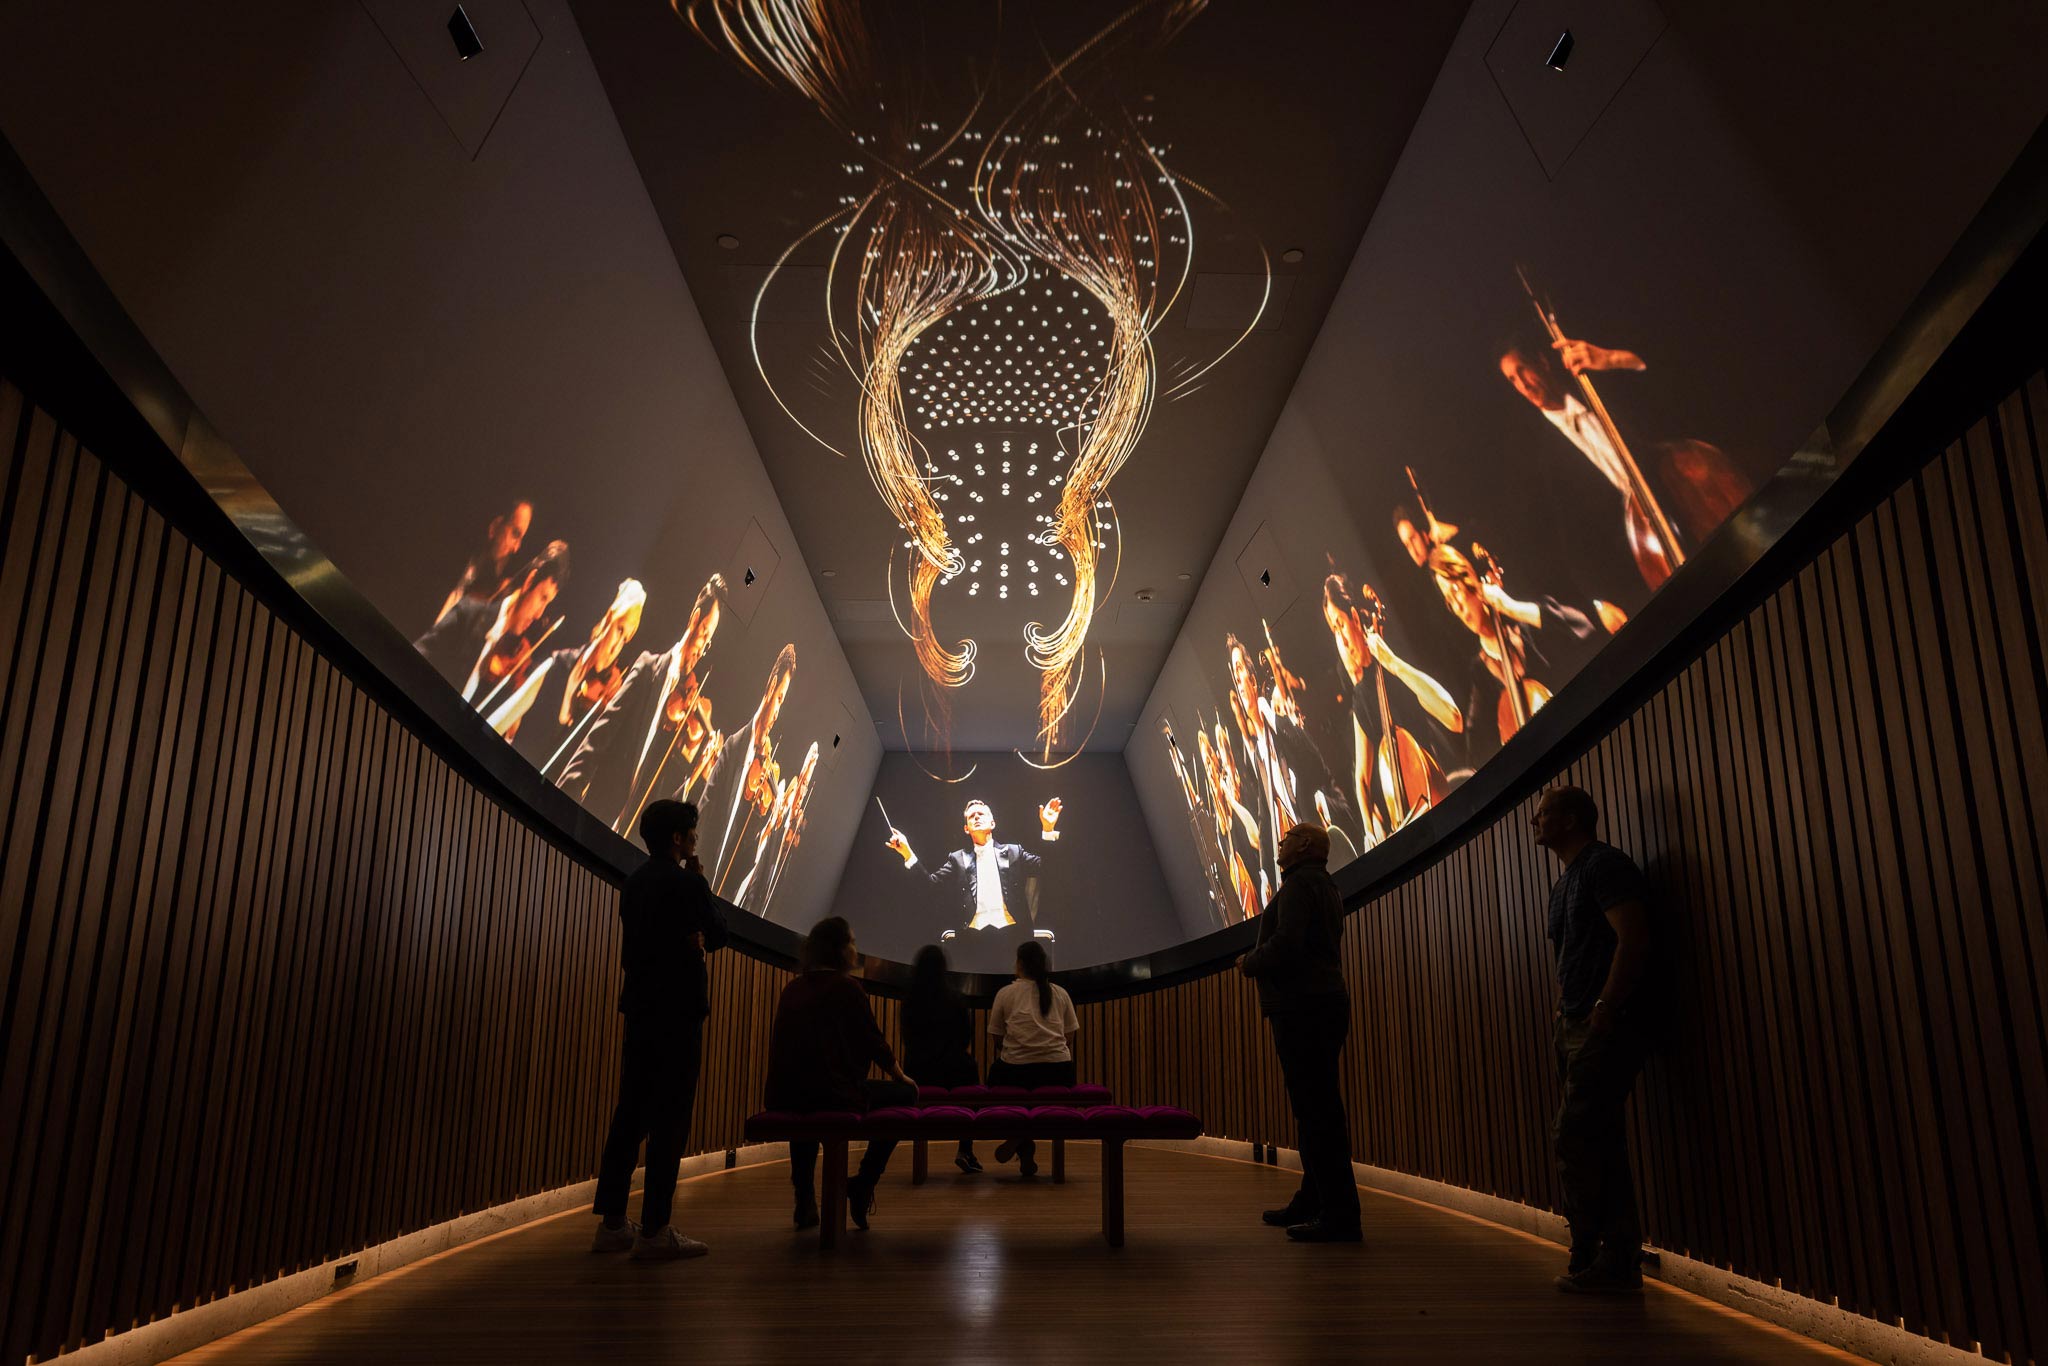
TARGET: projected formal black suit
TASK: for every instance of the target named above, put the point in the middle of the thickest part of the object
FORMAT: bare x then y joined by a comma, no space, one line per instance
987,885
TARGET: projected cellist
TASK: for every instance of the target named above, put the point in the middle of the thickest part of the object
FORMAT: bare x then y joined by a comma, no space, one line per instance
1701,485
1389,759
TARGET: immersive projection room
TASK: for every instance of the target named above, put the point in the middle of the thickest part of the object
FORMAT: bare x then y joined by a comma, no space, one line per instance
864,680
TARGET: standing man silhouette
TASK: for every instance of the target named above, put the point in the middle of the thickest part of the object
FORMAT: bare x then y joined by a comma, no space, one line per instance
670,920
1299,967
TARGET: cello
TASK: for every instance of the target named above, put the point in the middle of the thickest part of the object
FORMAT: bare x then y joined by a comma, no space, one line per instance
1411,780
1511,713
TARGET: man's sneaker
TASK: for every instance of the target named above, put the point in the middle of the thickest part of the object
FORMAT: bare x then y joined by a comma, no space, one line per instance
968,1162
1287,1216
1602,1280
666,1244
1006,1150
618,1239
1316,1231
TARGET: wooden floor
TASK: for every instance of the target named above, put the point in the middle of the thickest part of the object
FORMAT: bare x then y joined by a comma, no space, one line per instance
988,1269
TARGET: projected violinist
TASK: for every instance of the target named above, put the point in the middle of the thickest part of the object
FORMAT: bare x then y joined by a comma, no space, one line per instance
489,572
1202,826
739,774
1389,759
987,885
570,683
656,723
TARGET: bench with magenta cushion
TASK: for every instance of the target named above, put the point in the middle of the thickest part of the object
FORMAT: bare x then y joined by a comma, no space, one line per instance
978,1097
1110,1125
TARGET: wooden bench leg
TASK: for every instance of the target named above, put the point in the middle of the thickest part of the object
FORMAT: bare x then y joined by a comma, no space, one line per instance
1059,1161
1113,1191
833,1197
920,1162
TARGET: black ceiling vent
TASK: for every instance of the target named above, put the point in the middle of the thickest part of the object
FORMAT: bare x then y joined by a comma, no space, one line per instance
1561,53
467,44
749,579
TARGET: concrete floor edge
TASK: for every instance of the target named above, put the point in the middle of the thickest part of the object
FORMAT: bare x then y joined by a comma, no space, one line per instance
188,1329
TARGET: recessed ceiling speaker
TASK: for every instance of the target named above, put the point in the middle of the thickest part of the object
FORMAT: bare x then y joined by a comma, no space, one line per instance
1292,256
467,44
728,241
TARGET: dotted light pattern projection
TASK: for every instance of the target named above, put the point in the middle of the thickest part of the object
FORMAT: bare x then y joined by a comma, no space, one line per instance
1005,270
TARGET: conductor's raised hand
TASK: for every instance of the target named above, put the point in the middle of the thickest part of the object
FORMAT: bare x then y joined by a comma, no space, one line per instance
899,845
1049,816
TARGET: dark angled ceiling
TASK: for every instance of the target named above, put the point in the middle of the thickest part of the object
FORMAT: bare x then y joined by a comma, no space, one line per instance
1291,114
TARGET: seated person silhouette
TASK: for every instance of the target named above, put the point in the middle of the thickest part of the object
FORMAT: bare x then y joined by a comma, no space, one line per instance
989,889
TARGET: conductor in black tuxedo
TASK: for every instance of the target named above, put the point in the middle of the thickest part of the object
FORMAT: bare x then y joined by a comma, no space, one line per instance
988,888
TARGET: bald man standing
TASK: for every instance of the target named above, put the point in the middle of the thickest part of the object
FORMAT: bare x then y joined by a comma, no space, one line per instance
1298,965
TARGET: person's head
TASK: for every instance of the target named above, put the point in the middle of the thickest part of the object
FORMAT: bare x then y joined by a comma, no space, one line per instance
1244,677
1413,539
703,625
829,947
928,980
669,830
777,692
1566,820
1459,583
619,624
1531,375
1034,964
507,530
980,821
544,577
1340,614
1304,844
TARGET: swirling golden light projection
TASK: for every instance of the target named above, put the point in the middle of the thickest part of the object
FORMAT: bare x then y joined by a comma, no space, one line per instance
1067,187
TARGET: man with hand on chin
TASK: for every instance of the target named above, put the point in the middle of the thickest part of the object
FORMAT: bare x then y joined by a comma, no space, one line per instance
1600,929
1298,964
669,919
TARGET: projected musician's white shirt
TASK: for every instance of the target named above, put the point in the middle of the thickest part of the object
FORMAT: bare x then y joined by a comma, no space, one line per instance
1576,421
988,889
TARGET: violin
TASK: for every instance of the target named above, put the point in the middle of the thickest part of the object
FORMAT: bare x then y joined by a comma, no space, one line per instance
1411,780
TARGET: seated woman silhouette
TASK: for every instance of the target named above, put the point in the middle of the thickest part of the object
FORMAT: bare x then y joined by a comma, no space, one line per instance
824,1040
1034,1023
938,1035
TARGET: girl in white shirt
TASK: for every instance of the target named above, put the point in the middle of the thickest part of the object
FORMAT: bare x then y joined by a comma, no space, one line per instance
1034,1023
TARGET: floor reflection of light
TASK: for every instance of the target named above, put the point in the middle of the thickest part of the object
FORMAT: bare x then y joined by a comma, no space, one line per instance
978,1270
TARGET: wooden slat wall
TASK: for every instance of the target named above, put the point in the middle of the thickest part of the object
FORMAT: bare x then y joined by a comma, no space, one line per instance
279,984
1843,806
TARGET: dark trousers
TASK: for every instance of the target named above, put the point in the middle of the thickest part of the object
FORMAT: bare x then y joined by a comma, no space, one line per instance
803,1157
1309,1034
657,1091
1002,1073
1591,1140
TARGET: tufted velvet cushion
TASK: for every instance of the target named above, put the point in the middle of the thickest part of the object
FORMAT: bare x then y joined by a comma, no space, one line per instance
1169,1121
1121,1118
1087,1095
1056,1121
895,1115
957,1118
969,1095
1001,1119
934,1095
1007,1095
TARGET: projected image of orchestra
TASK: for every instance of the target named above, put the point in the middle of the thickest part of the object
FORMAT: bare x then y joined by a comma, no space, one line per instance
616,732
1360,719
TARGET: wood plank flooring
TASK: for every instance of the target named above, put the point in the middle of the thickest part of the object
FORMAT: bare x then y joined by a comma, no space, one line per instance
989,1269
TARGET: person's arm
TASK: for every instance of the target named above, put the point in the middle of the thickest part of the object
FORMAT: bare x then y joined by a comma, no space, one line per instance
1622,897
1070,1019
866,1035
1580,356
709,913
1281,933
999,1017
1049,820
1434,697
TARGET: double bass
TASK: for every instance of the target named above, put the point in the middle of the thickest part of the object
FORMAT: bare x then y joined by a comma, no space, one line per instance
1651,538
1411,780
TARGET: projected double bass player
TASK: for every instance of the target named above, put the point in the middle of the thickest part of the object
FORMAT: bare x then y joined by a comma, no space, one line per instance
988,885
1702,486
